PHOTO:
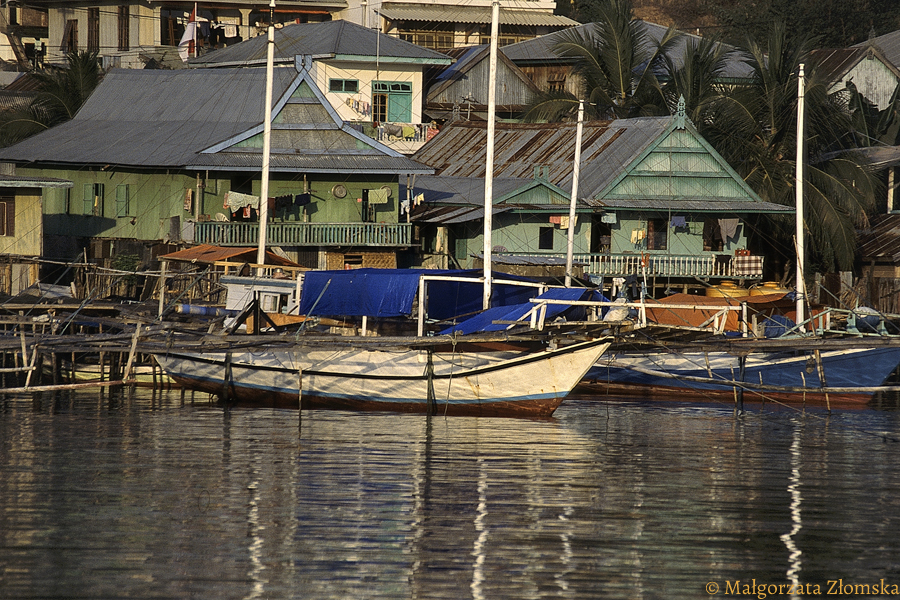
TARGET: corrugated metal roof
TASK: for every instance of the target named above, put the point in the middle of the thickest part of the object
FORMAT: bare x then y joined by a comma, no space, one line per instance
206,253
692,205
313,163
472,14
155,117
611,151
459,150
540,50
460,190
881,242
13,181
10,101
165,119
329,38
888,44
834,63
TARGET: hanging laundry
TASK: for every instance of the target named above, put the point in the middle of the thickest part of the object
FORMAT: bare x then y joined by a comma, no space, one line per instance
283,202
634,237
609,217
728,227
236,200
678,222
556,219
188,200
302,199
378,196
247,212
404,207
564,222
419,199
641,234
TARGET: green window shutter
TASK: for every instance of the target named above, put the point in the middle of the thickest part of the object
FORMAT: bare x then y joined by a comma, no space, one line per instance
123,201
88,204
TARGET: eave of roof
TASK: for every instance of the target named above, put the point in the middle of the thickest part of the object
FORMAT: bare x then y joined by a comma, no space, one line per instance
692,205
13,181
472,14
338,40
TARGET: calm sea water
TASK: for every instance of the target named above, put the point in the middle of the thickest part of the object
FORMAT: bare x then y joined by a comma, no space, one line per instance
110,495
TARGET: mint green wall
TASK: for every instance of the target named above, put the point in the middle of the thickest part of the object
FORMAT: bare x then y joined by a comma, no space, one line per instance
155,197
520,233
682,240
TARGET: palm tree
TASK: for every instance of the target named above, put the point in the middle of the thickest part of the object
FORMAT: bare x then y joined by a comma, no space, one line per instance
698,77
616,64
754,128
61,93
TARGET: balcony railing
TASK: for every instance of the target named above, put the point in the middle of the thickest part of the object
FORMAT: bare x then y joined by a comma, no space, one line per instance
668,265
304,234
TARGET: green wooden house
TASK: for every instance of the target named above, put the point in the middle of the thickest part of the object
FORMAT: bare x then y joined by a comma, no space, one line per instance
160,159
654,198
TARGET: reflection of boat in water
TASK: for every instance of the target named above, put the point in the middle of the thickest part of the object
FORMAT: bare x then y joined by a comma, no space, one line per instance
846,369
405,378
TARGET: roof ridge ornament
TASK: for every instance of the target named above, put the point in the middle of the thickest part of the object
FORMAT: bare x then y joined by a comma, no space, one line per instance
680,115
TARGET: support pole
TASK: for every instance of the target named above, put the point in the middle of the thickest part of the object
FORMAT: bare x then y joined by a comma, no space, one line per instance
576,169
489,154
801,89
267,144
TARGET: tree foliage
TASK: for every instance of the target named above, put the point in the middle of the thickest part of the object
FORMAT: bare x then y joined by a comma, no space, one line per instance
753,124
60,94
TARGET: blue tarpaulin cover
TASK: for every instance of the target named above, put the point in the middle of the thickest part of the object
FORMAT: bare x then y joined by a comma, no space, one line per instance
391,292
484,320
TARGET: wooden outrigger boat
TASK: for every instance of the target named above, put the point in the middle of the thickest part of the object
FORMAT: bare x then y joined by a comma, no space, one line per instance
410,375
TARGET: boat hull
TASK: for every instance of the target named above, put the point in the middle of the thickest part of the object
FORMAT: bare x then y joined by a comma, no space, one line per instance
478,384
786,376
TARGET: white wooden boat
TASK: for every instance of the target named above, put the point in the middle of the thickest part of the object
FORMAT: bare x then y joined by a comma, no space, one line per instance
443,380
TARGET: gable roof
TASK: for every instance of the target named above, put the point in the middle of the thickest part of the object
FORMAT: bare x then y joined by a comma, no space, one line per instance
888,44
209,119
468,69
881,242
340,40
835,63
652,163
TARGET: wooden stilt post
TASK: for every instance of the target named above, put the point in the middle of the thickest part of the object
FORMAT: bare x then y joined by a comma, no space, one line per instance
34,353
299,396
822,382
127,375
429,372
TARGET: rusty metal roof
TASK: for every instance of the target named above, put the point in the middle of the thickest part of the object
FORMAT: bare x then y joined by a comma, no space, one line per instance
881,242
833,64
207,254
607,147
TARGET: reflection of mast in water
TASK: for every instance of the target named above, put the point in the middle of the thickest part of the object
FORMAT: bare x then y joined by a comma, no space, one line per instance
793,572
481,540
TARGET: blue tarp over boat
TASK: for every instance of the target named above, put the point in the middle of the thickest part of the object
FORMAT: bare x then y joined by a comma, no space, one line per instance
391,292
485,320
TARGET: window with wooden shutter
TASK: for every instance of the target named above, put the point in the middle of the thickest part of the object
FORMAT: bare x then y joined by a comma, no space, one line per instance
124,27
7,216
93,40
70,37
123,201
93,199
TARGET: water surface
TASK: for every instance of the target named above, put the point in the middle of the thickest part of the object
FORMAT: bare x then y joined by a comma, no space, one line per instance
117,495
